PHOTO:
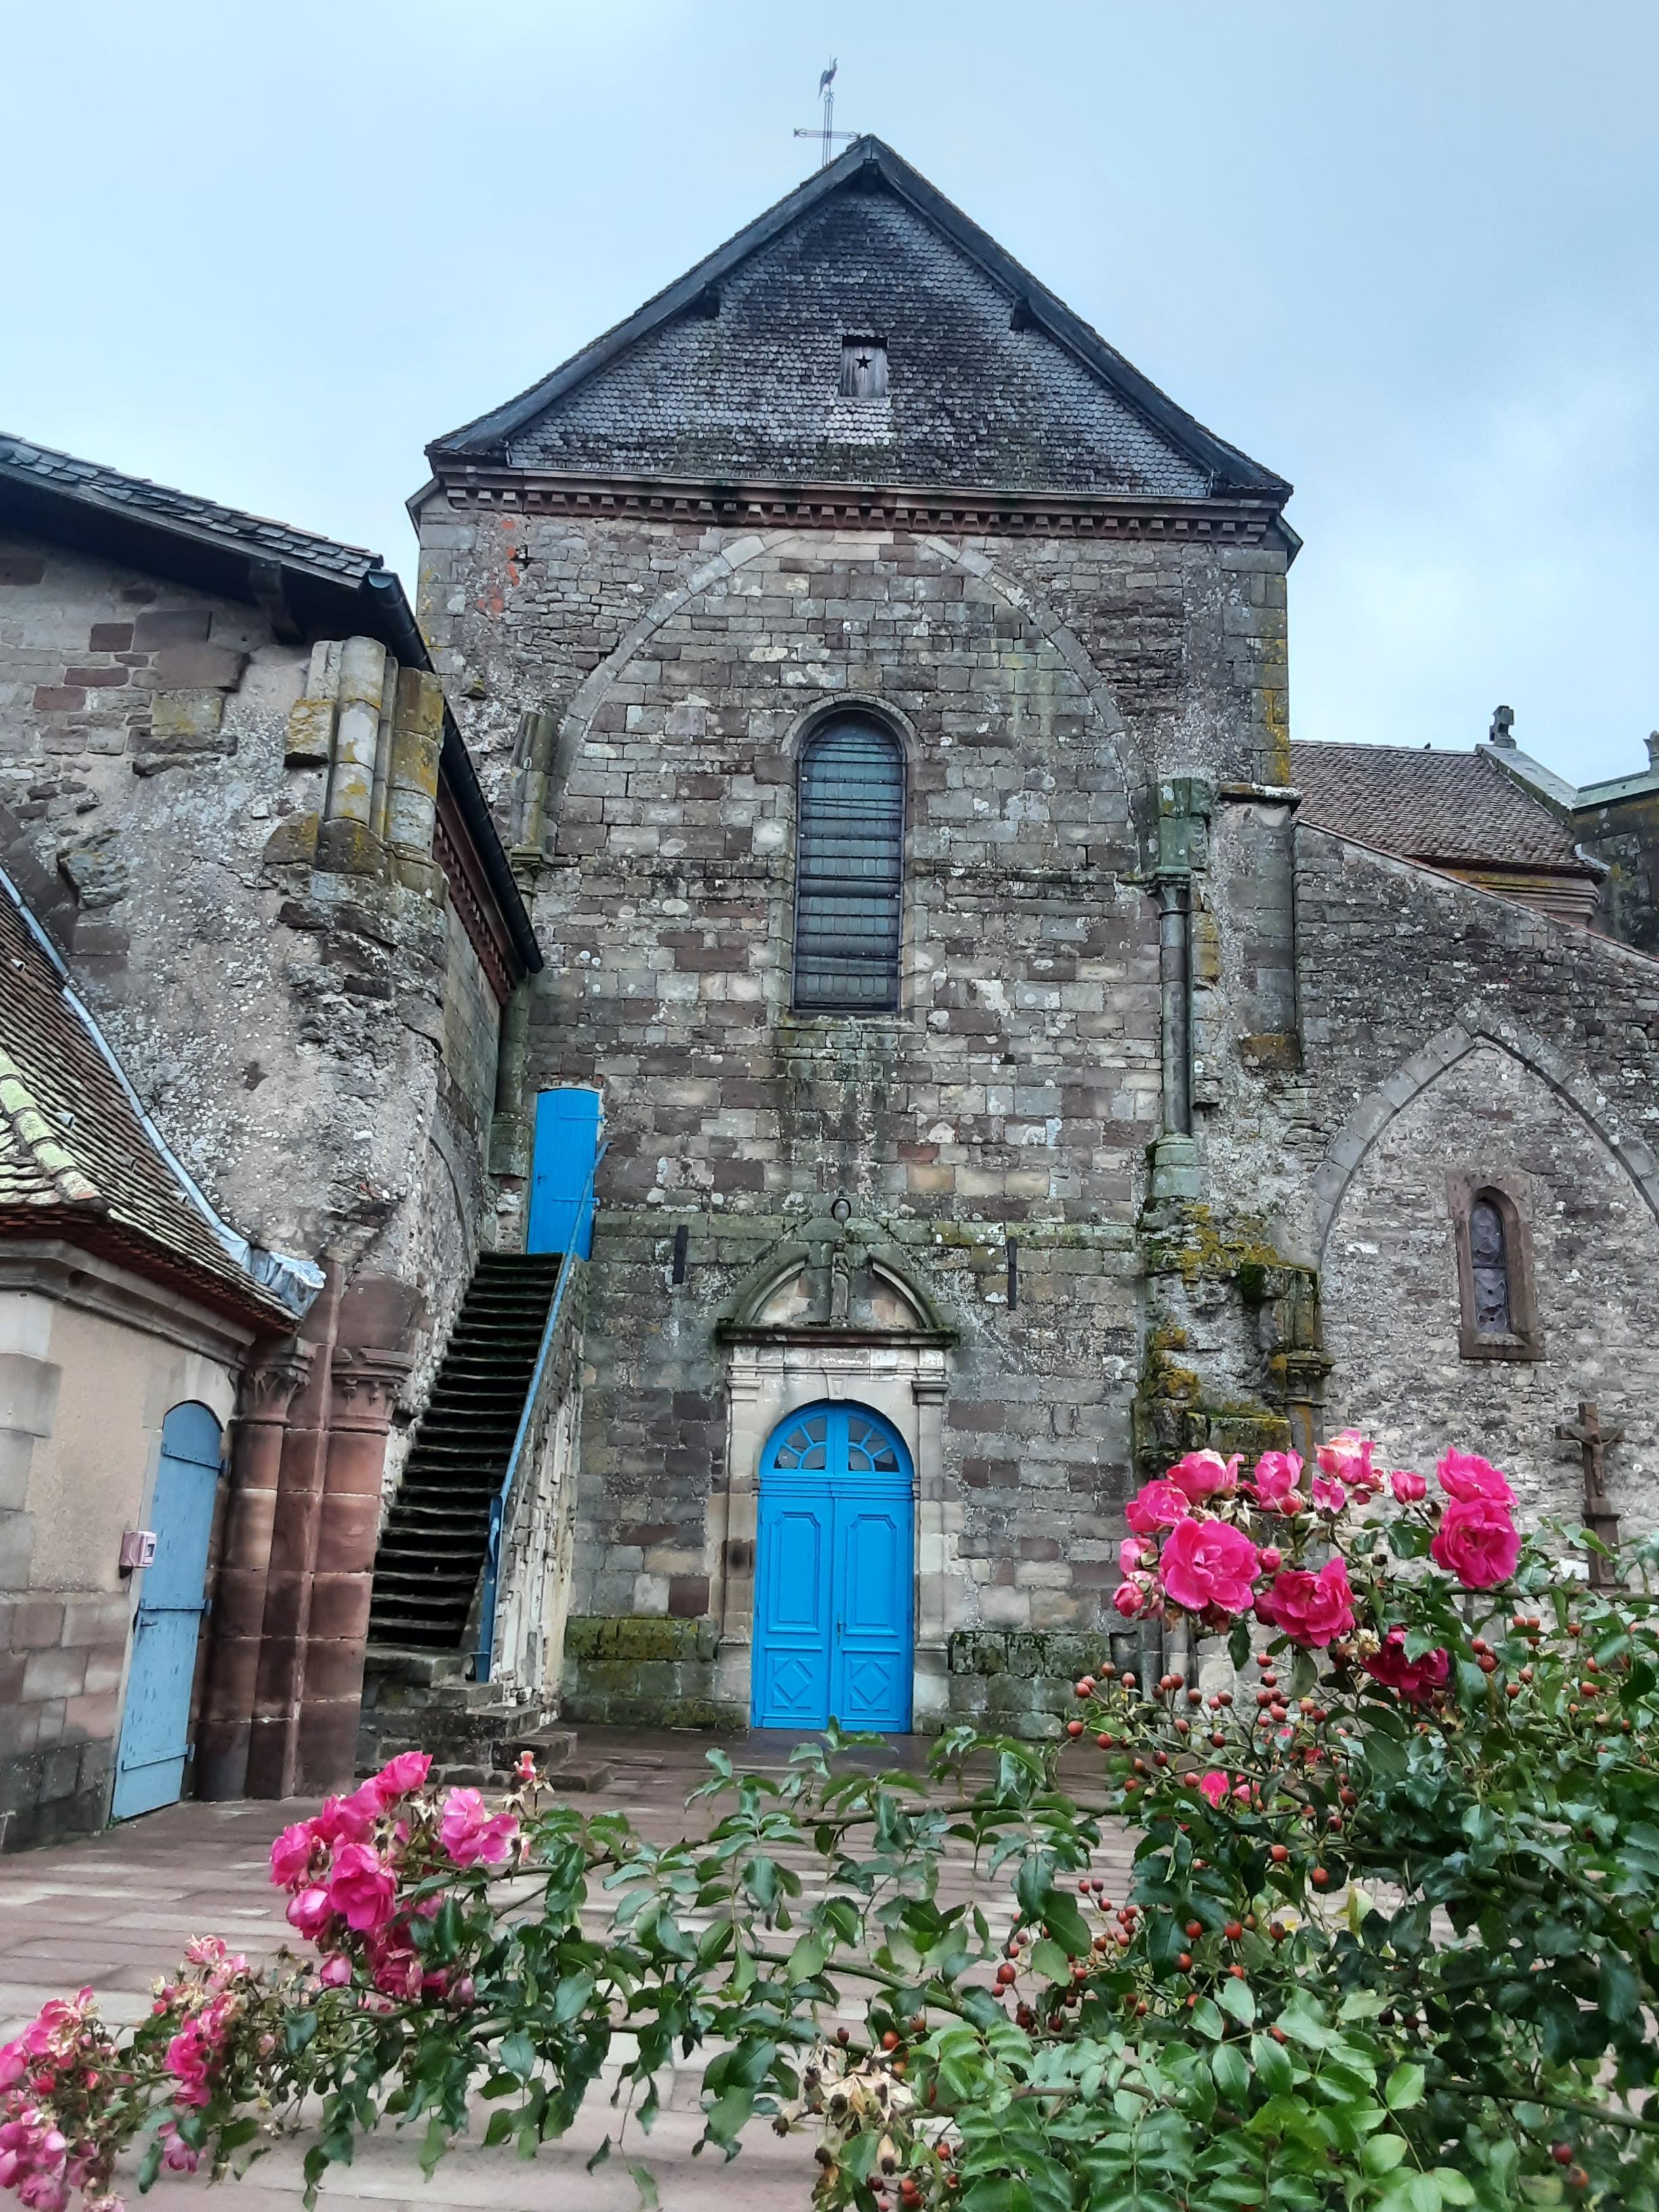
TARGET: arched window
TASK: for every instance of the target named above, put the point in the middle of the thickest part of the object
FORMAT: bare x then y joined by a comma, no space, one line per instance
1499,1315
850,868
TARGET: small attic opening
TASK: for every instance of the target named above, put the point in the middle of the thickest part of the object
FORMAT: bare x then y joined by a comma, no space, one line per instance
863,368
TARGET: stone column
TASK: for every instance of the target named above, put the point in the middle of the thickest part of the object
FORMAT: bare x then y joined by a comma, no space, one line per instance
347,844
364,1387
417,738
238,1606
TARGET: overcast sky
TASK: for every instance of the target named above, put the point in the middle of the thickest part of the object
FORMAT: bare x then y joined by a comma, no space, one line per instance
1401,251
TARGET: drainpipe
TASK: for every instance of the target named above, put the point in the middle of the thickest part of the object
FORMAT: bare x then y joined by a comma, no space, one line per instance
1183,804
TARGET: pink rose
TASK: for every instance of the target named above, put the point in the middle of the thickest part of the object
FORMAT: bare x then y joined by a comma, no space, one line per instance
469,1835
1328,1497
1416,1680
361,1887
1465,1475
1410,1489
1201,1473
1209,1563
1310,1609
398,1777
1477,1541
291,1856
335,1971
1156,1505
310,1912
1130,1599
1214,1786
343,1820
1131,1552
1347,1458
1277,1475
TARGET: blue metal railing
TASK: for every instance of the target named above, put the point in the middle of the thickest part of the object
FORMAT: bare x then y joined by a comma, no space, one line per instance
581,1244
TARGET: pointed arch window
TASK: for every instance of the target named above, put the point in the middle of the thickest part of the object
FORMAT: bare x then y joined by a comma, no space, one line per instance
1500,1316
849,869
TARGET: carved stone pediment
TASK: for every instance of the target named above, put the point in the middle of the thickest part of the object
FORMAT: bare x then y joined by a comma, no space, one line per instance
838,1282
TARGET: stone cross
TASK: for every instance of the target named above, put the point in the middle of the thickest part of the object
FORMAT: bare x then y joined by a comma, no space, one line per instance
1592,1440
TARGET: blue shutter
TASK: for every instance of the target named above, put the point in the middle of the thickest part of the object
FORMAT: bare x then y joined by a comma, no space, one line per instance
849,869
562,1172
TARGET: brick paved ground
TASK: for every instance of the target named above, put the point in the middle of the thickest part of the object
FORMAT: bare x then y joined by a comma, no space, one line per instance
117,1910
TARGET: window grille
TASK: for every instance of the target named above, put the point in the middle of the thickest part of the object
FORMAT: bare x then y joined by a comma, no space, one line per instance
849,869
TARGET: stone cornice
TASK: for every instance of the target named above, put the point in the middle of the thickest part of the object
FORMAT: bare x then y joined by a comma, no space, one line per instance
71,1276
1225,520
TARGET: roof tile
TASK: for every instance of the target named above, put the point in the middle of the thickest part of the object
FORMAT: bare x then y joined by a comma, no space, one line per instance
1459,810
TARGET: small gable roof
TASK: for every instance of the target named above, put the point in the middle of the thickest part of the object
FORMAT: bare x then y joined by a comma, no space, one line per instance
734,371
1453,810
76,1158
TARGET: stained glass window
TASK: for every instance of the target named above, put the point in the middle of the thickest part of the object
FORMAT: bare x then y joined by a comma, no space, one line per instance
849,869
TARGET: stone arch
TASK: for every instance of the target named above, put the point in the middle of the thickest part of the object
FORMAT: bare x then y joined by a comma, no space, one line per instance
578,719
1360,1131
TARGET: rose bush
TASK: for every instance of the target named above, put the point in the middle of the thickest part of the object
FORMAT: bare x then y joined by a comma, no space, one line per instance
1390,1943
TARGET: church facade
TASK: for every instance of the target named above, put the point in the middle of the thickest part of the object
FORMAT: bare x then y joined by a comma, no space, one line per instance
1006,1082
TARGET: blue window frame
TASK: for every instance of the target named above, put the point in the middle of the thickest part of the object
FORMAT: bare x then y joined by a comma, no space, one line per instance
849,869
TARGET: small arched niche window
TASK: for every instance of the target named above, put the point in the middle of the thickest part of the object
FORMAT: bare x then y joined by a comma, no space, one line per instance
849,869
1500,1316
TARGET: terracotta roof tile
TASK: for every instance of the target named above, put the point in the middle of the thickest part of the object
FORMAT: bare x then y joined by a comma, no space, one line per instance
1457,809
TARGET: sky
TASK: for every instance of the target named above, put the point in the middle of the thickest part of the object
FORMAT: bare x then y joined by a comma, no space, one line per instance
1404,251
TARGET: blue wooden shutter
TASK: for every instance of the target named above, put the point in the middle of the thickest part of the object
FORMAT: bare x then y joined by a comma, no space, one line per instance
849,869
562,1172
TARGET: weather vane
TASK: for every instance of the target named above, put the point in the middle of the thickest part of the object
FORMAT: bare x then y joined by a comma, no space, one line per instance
825,134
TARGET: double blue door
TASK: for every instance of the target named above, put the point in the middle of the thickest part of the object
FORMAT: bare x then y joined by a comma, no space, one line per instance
567,1150
833,1602
149,1765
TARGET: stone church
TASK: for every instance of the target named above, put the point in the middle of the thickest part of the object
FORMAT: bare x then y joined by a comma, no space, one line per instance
706,1100
883,689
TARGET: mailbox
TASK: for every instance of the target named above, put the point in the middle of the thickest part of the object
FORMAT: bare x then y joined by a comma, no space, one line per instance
137,1548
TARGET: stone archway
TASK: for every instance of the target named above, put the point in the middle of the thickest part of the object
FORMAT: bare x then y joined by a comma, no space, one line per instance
835,1314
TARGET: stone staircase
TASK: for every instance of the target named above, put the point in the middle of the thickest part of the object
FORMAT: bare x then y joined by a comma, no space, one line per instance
416,1700
432,1548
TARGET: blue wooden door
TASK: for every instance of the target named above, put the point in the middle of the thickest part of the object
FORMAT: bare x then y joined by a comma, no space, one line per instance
149,1766
562,1172
834,1579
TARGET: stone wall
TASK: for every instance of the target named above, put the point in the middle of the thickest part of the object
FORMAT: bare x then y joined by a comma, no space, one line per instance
654,682
1448,1029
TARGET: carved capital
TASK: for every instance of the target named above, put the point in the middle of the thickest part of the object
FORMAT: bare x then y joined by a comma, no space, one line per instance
270,1384
365,1385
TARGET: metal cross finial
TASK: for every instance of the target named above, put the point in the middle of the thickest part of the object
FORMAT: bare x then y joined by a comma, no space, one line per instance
825,134
1593,1440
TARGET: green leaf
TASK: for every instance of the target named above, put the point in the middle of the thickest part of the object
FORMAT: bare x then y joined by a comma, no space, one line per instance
1404,2088
1232,2074
1236,1999
1238,1643
1066,1923
1381,2154
1454,2189
1051,1961
806,1959
517,2054
1273,2064
645,2182
1207,2020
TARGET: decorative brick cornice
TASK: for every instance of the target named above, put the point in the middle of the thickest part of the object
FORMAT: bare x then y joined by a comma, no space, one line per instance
862,507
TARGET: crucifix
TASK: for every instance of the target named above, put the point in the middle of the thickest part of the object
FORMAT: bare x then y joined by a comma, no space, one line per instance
1592,1440
824,134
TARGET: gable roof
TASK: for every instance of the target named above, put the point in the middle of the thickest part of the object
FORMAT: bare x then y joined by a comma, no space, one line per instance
76,1160
1452,810
733,372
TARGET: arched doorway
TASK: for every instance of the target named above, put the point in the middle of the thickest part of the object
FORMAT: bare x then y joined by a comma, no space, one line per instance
149,1766
834,1599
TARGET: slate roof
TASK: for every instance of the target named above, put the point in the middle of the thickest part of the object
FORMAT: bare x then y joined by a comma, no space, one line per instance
136,498
1459,810
734,371
76,1159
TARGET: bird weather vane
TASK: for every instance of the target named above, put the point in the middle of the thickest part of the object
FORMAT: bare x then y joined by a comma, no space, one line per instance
825,134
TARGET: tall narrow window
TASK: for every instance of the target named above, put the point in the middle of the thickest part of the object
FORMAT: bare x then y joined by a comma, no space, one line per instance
1489,1267
849,869
1498,1316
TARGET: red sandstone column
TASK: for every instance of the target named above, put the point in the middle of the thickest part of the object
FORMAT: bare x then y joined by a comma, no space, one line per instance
365,1382
272,1759
223,1735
